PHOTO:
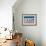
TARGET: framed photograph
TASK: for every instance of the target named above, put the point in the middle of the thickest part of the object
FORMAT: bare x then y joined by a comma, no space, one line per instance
29,19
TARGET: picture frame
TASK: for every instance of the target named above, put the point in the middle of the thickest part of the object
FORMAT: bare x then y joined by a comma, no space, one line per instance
29,19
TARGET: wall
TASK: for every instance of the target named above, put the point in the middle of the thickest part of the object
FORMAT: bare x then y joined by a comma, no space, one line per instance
43,22
28,7
6,13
